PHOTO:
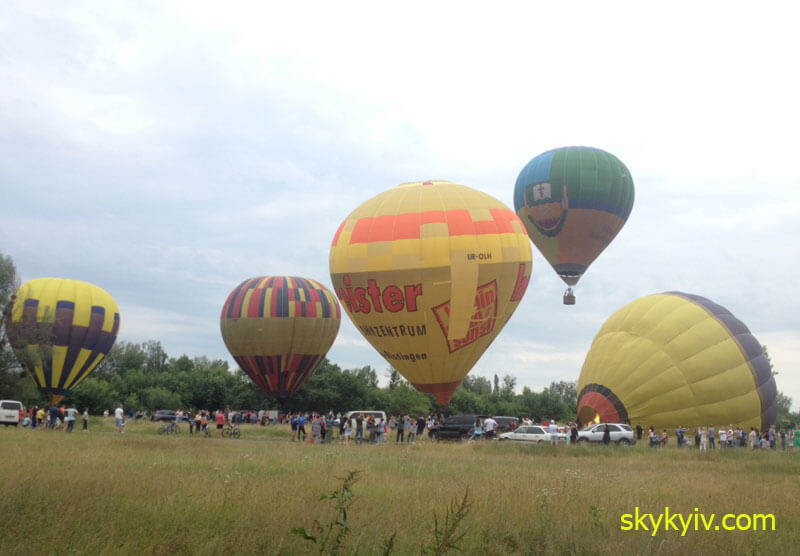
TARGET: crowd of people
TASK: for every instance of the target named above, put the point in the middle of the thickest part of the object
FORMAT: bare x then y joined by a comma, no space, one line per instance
363,428
55,418
359,428
726,437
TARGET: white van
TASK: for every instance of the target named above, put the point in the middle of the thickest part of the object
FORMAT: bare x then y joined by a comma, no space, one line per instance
375,414
9,412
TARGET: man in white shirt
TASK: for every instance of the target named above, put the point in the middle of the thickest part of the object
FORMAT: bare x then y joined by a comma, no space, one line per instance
119,419
489,427
552,428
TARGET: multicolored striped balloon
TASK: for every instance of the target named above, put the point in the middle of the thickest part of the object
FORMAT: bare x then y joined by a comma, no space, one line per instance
676,359
430,272
278,329
573,201
60,330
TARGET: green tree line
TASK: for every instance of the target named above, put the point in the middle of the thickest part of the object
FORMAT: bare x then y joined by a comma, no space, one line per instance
143,376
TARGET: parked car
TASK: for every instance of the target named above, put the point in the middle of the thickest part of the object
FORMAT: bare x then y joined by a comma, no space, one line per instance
455,427
163,415
9,412
461,427
531,433
504,423
620,433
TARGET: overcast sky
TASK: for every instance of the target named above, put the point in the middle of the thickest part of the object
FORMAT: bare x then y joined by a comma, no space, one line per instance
166,151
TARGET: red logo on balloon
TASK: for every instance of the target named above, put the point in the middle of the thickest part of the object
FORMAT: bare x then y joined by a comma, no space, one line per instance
481,322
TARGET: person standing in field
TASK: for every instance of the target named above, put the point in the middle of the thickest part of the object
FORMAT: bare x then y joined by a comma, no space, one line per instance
347,429
71,415
477,429
552,428
53,415
607,436
401,429
316,429
703,440
711,433
119,419
411,429
301,427
489,427
86,419
220,421
359,428
421,427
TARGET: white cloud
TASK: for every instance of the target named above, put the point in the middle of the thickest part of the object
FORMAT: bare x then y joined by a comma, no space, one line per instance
169,151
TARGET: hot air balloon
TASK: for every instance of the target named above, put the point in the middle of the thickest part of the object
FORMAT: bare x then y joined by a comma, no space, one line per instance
278,329
430,272
573,202
676,359
60,330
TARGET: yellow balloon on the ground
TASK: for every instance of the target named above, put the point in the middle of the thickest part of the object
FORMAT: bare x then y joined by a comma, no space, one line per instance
676,359
430,272
60,331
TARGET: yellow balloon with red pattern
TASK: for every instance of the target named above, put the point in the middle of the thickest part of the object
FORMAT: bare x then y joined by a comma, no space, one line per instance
430,272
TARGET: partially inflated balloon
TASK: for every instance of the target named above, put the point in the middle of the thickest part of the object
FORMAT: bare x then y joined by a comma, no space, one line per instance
573,201
430,272
60,330
675,359
278,329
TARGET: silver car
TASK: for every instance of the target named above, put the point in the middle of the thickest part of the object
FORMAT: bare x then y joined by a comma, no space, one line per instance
531,433
620,433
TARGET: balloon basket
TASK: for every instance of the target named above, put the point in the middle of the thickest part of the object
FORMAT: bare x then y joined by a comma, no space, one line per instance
569,297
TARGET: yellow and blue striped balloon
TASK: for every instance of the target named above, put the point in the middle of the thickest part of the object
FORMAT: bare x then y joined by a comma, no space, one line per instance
60,330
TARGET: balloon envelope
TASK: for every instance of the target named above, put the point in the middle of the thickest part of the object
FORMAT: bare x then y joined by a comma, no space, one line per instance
60,330
573,202
278,329
430,272
676,359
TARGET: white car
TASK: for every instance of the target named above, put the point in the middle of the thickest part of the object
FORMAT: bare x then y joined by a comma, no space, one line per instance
9,412
531,433
620,433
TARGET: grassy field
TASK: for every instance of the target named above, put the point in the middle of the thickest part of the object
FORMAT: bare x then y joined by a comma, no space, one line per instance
141,493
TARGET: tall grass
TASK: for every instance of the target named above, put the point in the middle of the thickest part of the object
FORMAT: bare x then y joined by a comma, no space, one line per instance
104,493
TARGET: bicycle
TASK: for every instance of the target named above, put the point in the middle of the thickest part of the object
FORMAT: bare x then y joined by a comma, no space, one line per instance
231,431
169,428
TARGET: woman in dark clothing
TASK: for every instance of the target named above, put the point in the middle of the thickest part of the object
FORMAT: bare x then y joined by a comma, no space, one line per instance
606,436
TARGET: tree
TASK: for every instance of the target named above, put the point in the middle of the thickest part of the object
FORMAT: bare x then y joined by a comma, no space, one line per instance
155,358
404,399
507,389
367,374
12,376
394,379
477,385
785,417
567,392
